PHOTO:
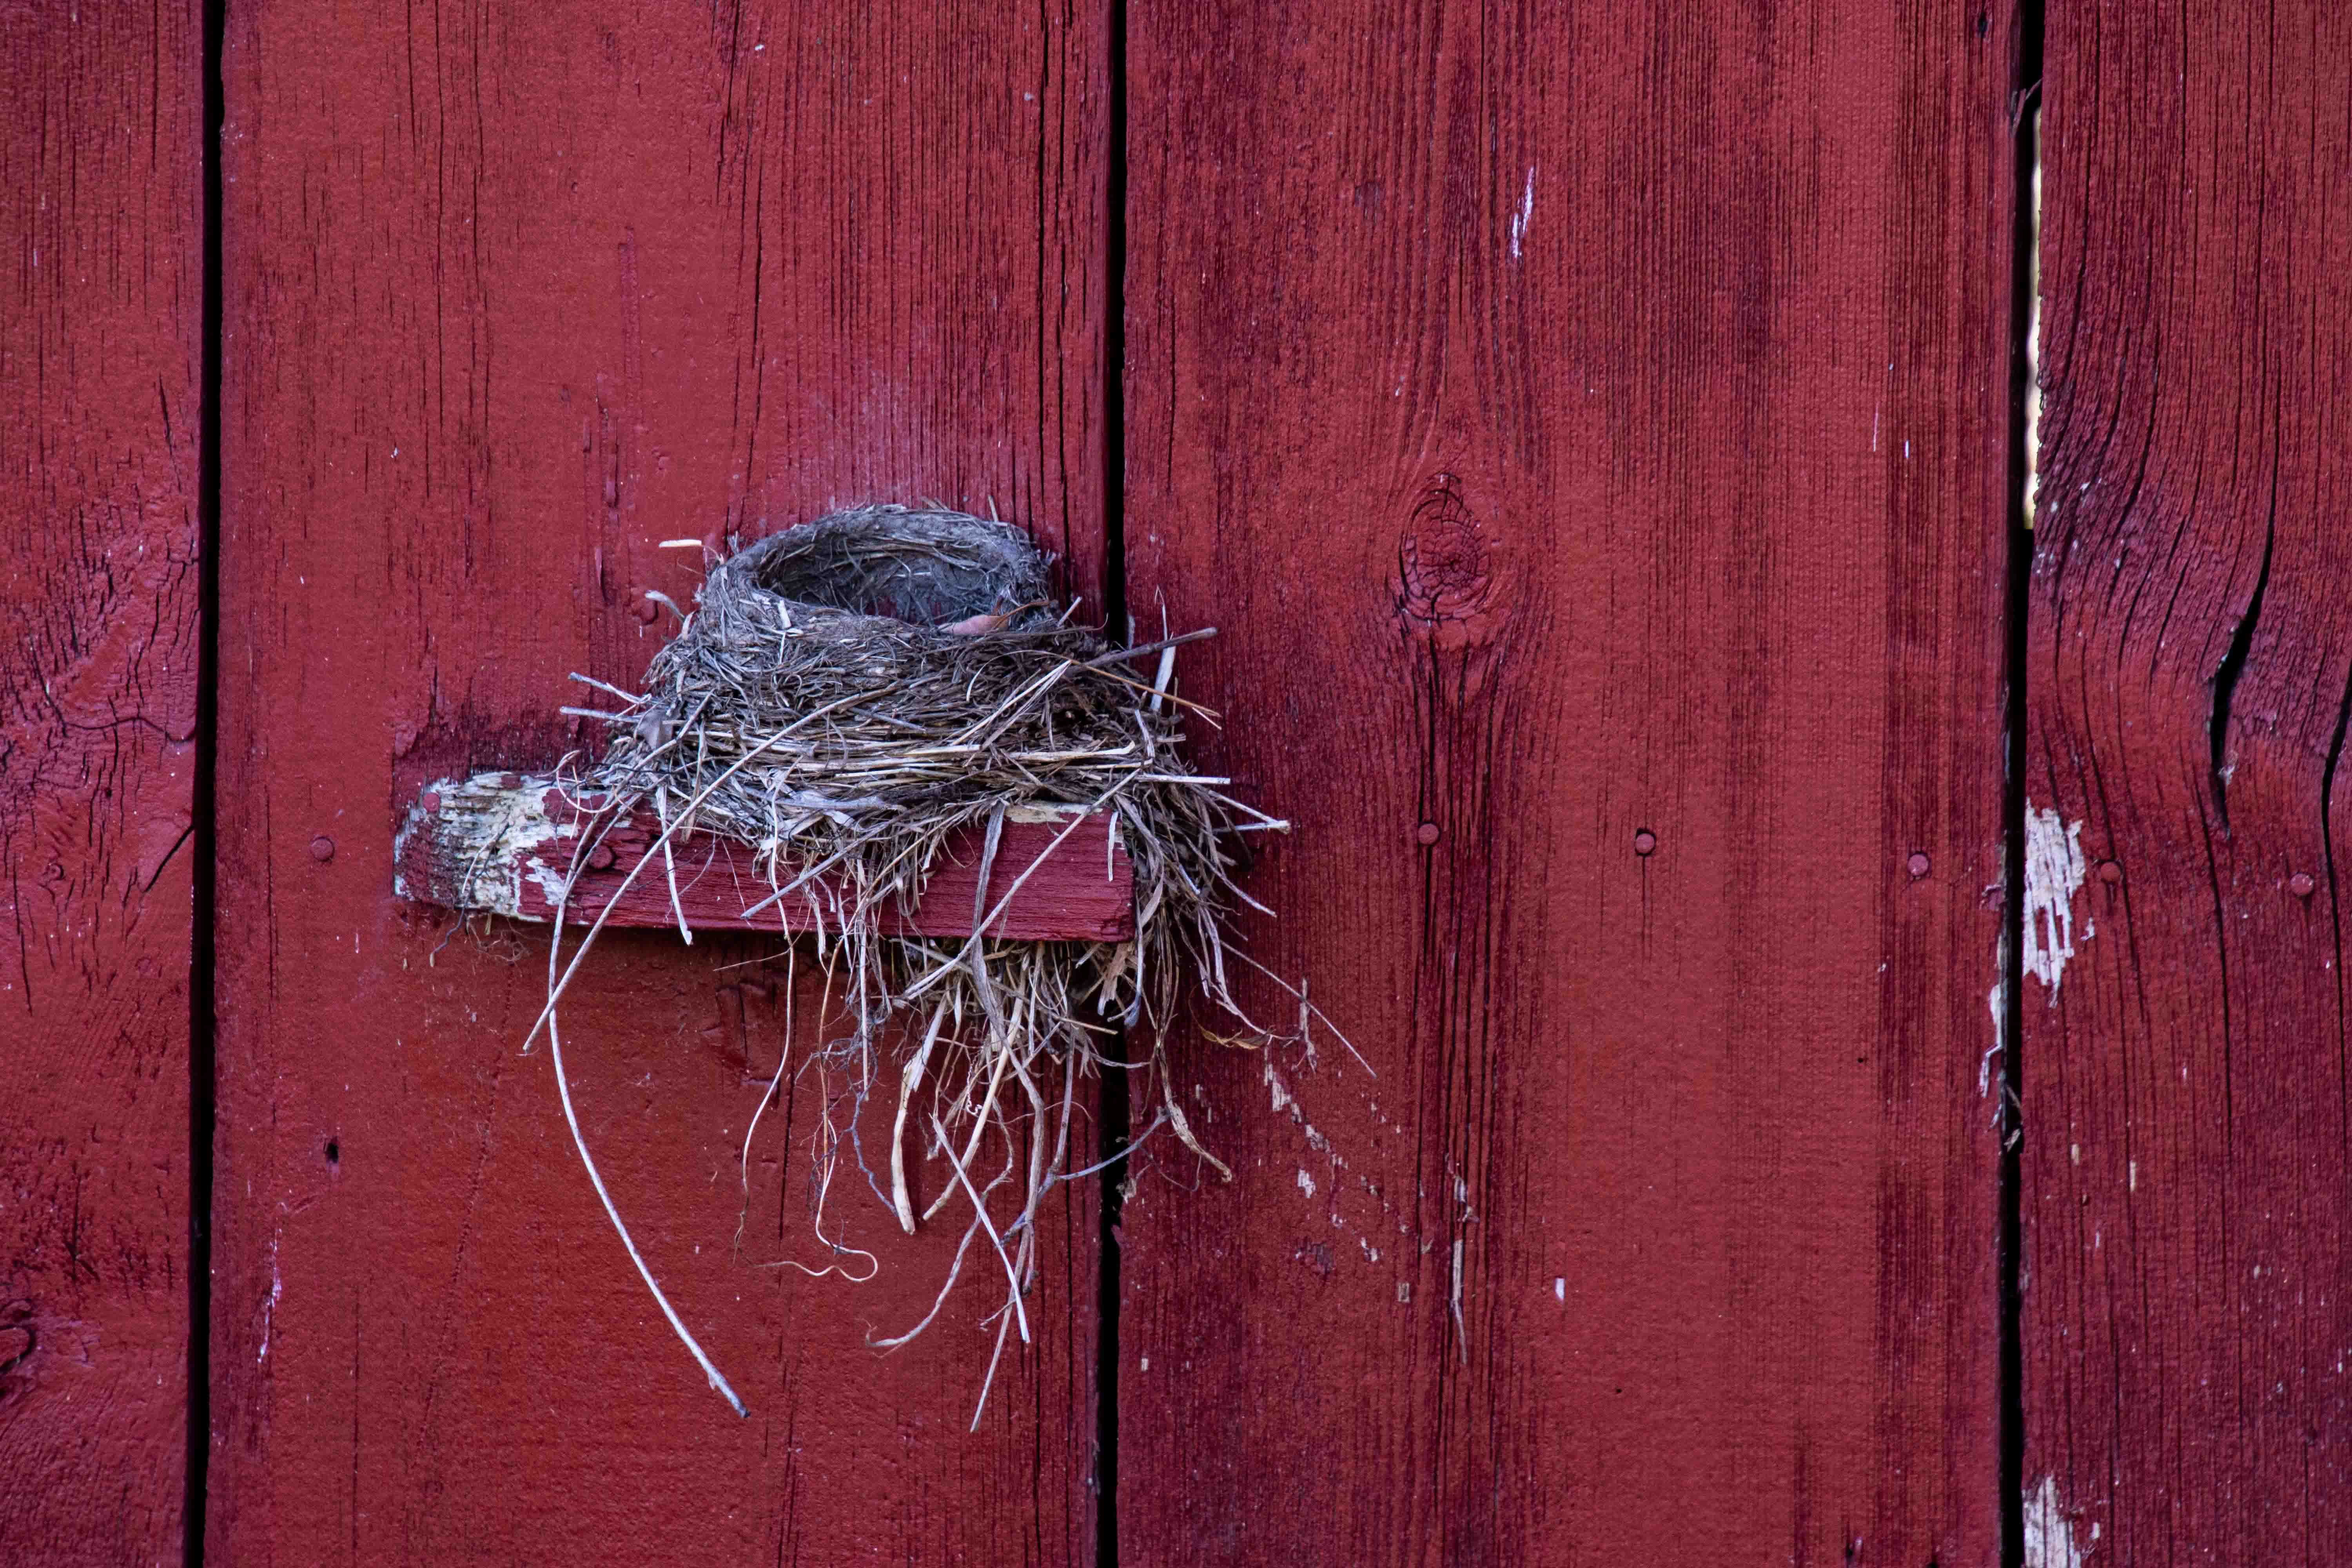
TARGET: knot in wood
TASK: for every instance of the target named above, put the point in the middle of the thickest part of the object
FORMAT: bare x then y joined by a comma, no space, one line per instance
1443,572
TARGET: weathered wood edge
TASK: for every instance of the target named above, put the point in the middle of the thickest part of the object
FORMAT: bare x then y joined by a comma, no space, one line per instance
503,844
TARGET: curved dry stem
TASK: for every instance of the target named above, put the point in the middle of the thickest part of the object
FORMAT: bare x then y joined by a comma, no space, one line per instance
612,1212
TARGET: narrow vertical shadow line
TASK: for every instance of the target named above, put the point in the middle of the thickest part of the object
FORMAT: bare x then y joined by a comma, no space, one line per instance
2025,281
2232,666
202,957
1119,625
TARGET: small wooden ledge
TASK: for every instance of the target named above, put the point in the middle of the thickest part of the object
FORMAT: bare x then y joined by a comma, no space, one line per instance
502,843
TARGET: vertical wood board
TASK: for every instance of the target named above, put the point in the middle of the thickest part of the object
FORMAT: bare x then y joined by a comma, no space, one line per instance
2187,1193
1589,430
101,123
514,293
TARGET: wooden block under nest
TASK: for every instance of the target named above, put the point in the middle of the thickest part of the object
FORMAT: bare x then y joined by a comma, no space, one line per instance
503,843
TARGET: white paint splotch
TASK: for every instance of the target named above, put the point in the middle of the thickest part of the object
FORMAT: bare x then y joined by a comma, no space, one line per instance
1521,218
1998,1000
2054,872
2049,1538
269,1308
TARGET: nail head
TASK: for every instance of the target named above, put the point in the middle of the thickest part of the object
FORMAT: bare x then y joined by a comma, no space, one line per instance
2111,870
2301,885
601,857
646,610
1644,842
322,849
1918,864
1427,833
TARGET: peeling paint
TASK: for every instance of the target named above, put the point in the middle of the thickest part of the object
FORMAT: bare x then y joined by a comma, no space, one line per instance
1461,1334
2054,872
490,832
1306,1184
2049,1539
1998,1003
269,1308
1287,1103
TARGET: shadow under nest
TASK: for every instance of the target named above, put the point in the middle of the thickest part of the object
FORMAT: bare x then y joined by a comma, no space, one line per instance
847,698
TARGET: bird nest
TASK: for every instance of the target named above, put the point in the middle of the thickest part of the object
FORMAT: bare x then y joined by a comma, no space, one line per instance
848,698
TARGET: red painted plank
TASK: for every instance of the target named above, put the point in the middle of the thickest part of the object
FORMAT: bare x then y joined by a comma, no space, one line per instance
101,131
2187,1168
514,293
1582,427
505,844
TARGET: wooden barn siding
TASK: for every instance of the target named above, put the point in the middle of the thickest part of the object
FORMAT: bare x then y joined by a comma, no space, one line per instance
2187,1170
1583,424
101,124
1463,349
513,292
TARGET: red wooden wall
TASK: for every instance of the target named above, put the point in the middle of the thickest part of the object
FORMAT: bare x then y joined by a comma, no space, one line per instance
1591,434
2188,1166
513,293
101,296
1592,429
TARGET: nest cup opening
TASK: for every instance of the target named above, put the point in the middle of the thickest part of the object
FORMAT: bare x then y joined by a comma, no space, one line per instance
927,568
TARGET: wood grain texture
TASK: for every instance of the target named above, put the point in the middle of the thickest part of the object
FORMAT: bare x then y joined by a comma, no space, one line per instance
1582,427
101,203
513,294
2187,1169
